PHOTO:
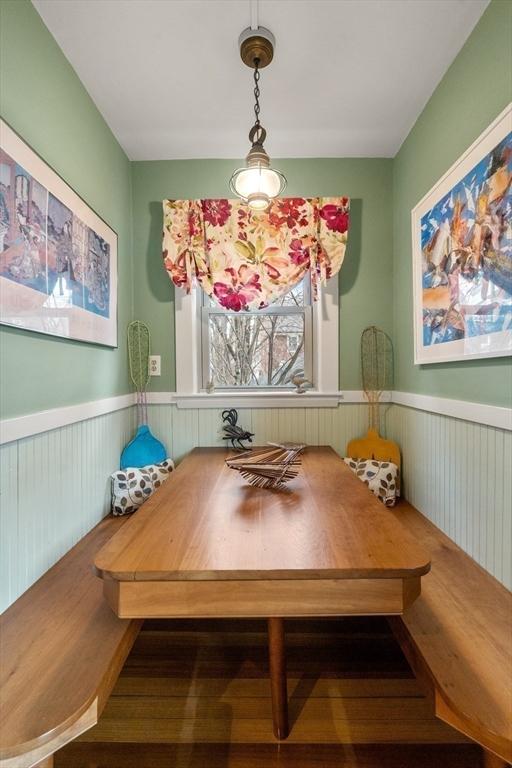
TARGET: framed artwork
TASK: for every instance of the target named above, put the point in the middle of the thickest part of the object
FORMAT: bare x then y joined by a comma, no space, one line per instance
58,258
462,255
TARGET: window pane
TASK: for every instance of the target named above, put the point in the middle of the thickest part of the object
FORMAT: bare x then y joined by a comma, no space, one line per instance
255,350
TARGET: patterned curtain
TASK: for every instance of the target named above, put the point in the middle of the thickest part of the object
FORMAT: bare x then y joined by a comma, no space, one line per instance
246,260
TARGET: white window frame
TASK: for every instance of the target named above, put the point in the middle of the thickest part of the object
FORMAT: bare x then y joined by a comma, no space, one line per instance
325,354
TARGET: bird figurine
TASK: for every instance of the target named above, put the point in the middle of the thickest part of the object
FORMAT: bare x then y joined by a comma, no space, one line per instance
300,384
233,432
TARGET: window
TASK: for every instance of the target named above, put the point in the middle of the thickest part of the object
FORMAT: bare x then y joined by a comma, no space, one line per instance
262,349
295,336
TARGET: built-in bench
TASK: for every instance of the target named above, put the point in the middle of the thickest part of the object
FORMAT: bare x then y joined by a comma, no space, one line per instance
61,651
457,637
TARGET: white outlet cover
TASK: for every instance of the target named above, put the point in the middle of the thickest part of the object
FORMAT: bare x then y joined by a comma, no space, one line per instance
154,365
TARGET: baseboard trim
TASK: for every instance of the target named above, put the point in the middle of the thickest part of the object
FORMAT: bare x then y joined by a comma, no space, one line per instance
21,427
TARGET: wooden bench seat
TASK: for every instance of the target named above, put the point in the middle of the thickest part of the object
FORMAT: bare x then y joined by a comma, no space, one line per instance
61,651
458,639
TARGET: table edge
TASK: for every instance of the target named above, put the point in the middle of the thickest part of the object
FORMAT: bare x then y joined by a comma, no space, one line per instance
299,574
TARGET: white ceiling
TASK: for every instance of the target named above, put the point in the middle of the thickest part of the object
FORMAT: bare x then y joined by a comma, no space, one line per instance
349,77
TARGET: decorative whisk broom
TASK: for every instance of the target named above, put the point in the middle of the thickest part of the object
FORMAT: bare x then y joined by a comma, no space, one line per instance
139,346
377,375
376,369
144,449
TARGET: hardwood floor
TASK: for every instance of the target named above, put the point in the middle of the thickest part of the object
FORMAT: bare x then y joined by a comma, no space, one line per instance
101,755
196,695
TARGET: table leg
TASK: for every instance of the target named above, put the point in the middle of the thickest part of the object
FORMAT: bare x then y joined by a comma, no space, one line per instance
492,761
278,677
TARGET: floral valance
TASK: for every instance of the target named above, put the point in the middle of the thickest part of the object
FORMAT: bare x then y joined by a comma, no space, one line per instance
245,259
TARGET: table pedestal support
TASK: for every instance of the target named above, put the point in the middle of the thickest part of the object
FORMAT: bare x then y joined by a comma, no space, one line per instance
493,761
278,686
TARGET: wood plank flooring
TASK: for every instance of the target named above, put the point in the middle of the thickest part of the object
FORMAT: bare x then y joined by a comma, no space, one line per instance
196,695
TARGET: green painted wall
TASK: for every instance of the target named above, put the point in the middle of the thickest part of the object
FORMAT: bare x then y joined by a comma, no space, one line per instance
475,89
365,279
42,98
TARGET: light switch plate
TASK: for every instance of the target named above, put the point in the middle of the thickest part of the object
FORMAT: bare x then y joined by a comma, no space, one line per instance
154,365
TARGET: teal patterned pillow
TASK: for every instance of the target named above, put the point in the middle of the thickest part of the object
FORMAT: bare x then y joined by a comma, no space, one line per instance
381,477
132,486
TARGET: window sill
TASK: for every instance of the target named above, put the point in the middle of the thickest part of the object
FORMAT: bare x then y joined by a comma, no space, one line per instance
234,399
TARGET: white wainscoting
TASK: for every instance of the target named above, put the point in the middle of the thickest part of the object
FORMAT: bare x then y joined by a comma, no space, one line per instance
459,475
54,489
55,485
182,429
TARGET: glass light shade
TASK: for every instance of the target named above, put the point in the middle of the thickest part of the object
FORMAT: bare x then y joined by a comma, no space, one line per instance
258,201
257,185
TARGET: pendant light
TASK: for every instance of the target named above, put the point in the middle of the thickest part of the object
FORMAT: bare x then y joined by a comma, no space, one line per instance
257,183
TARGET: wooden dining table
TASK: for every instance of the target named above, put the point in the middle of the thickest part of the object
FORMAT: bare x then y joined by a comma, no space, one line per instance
207,544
